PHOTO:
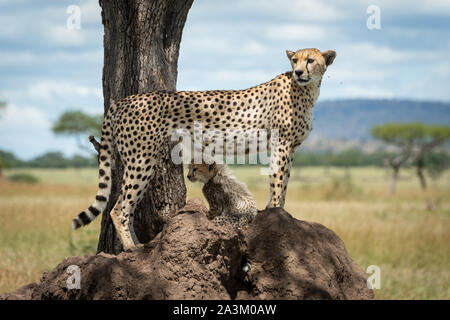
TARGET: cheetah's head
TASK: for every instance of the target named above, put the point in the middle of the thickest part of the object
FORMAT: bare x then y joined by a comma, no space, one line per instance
309,65
201,172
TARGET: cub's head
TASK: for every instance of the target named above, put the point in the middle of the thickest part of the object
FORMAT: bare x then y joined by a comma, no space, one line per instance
201,172
309,65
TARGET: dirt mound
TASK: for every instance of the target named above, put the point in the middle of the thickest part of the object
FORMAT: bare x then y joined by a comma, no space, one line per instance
192,258
293,259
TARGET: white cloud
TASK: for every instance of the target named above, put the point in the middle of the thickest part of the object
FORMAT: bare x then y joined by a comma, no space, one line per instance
373,91
53,98
26,131
432,85
90,12
442,71
254,76
370,63
364,69
8,31
47,26
15,116
207,45
8,2
296,32
223,79
327,10
10,58
61,35
415,6
301,10
48,90
214,47
317,10
368,51
254,48
54,58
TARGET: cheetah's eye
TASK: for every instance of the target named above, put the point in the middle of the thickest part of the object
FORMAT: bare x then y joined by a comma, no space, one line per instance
310,60
294,60
195,169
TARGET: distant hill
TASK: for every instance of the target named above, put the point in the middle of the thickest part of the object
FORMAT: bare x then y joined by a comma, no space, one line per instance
352,119
343,124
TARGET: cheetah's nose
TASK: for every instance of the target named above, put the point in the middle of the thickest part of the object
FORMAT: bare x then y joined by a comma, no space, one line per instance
298,72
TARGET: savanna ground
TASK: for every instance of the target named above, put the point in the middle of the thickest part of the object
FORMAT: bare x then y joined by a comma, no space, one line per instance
410,244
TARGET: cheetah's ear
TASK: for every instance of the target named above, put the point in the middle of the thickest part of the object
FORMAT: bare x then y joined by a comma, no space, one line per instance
212,166
329,56
289,53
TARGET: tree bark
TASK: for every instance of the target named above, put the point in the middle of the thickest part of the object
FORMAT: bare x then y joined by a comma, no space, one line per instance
141,46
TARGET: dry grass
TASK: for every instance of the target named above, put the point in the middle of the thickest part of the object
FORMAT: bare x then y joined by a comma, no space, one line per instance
410,244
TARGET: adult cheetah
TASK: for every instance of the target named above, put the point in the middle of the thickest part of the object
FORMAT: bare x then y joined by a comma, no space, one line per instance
139,124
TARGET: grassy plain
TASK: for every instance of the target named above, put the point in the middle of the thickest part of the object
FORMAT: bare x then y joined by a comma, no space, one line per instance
409,243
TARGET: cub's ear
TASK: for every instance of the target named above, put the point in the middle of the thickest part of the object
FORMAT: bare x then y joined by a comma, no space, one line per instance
329,56
289,53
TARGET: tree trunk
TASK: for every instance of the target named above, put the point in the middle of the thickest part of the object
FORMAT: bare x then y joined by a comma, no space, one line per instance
430,204
141,46
420,165
393,185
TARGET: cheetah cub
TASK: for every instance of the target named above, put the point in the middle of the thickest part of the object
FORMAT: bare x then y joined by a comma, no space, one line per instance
229,200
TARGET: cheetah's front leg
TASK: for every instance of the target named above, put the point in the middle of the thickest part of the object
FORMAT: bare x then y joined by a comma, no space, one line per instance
279,177
287,175
216,208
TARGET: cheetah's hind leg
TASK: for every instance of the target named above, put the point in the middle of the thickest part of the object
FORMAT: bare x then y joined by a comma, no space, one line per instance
134,185
121,225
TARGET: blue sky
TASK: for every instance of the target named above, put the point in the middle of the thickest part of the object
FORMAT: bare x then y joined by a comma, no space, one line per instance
46,69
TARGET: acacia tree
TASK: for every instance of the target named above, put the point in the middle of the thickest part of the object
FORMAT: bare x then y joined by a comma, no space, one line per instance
141,45
433,136
413,141
402,137
436,163
78,124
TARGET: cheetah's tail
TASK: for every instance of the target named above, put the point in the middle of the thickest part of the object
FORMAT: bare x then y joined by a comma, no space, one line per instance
104,186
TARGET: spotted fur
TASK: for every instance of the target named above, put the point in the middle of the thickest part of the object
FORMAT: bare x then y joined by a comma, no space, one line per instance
229,199
139,125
